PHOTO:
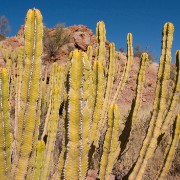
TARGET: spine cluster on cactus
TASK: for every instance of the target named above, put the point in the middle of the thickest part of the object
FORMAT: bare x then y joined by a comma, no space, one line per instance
61,126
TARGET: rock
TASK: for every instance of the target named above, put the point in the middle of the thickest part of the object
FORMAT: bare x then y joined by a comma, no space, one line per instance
20,32
82,40
92,175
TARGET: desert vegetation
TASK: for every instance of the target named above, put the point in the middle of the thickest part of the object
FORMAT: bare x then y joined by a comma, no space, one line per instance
68,124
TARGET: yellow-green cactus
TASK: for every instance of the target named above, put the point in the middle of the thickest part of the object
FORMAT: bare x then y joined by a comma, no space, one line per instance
101,39
126,68
80,110
5,135
56,100
150,141
90,53
99,102
39,160
18,82
111,147
140,85
175,96
74,113
28,118
108,92
170,150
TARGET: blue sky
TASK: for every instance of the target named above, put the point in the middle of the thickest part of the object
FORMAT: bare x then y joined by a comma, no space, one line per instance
143,18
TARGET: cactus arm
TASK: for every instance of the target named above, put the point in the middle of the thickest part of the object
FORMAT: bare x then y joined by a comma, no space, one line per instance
175,96
115,144
126,68
111,147
60,164
18,90
108,92
140,84
99,103
107,143
90,53
98,77
57,88
170,150
44,98
5,135
101,39
95,78
39,160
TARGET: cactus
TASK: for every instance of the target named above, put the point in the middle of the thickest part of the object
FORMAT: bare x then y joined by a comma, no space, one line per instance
174,99
73,109
28,116
111,146
39,160
140,85
126,68
170,150
101,39
5,135
79,113
90,53
56,100
150,141
109,87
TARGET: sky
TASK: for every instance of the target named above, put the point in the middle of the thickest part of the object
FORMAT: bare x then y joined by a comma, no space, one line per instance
143,18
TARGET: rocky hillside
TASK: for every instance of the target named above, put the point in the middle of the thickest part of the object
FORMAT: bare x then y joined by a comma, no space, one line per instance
81,37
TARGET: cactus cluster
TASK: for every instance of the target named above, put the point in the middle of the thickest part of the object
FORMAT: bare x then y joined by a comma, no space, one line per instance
63,127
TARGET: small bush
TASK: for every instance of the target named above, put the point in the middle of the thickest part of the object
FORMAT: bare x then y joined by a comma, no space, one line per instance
138,52
4,27
52,43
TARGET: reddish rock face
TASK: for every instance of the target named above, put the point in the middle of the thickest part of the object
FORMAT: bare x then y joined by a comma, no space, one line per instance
82,40
13,42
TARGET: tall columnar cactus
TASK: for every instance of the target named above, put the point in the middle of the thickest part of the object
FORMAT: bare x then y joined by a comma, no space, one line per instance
170,150
38,160
99,100
174,96
111,147
75,104
126,68
101,39
5,135
110,81
52,127
150,142
79,114
99,77
140,85
29,116
90,53
19,72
